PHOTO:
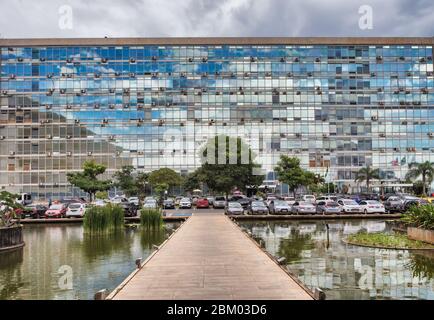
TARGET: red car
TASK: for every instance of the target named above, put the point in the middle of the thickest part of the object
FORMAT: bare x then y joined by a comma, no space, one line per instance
56,211
202,203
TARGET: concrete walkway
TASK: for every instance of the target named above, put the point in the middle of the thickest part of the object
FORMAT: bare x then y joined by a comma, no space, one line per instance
210,258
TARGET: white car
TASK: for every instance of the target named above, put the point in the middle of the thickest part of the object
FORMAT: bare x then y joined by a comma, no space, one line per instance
134,200
289,200
279,207
76,210
150,204
349,206
309,198
185,203
327,198
372,206
100,203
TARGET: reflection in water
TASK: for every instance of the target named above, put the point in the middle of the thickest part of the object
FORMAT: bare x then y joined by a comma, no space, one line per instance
422,264
10,265
96,262
317,255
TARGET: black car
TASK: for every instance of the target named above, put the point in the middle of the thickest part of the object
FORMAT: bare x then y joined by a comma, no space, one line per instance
244,201
130,209
169,204
34,211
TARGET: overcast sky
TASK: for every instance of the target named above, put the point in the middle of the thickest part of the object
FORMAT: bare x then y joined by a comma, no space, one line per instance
177,18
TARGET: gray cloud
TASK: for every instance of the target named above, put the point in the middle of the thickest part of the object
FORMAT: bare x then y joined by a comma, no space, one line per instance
156,18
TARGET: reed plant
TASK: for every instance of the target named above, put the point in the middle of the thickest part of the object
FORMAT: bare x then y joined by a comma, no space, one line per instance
151,218
106,219
421,216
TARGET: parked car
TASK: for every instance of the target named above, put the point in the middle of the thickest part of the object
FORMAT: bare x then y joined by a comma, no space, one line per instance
309,198
177,200
76,210
100,203
257,207
169,204
303,207
349,206
185,203
327,198
210,200
57,210
67,201
372,206
202,203
34,211
393,204
194,200
234,208
289,200
134,200
327,207
279,207
150,204
413,202
219,202
118,200
241,199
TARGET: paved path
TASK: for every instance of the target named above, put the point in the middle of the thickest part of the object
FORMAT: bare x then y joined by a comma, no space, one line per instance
210,258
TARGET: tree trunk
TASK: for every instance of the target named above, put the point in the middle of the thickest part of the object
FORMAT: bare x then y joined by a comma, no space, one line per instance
423,184
367,184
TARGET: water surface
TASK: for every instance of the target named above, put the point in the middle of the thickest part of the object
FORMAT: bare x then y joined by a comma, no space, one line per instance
55,254
318,257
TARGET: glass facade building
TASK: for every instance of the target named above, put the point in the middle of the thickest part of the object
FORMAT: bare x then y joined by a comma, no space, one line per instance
336,103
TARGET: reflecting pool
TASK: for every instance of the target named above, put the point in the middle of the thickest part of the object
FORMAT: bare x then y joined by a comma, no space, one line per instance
60,262
316,254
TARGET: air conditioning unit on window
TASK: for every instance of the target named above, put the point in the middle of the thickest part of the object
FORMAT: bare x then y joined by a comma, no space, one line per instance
69,60
204,59
68,137
111,106
12,76
431,134
111,138
132,60
89,153
77,120
49,154
49,136
96,106
69,153
68,107
2,137
374,118
104,60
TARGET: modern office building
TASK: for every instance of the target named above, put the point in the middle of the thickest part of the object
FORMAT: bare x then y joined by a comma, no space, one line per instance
336,103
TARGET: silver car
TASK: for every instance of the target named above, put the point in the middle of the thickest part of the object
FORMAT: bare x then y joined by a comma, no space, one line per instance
279,207
327,207
234,208
219,202
257,207
303,207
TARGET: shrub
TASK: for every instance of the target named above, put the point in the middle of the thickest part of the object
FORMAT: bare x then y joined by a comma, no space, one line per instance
103,219
151,218
420,216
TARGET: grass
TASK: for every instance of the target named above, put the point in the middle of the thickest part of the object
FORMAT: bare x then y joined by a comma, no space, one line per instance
105,219
420,216
151,218
387,240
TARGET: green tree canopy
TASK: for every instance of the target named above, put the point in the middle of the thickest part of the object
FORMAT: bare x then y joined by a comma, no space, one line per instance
228,168
289,171
165,176
88,179
8,205
367,174
424,170
125,180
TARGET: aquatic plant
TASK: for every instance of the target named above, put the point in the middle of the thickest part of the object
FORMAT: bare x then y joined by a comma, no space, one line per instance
103,219
151,218
420,216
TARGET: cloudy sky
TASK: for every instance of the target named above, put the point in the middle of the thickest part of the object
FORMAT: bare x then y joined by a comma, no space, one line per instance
177,18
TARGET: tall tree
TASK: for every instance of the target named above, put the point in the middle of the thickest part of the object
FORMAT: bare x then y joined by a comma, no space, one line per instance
289,171
424,170
125,180
165,176
229,168
367,174
88,179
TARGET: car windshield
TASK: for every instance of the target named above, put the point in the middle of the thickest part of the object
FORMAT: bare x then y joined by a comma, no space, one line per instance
332,204
75,206
56,207
185,200
350,202
372,202
258,204
151,201
168,201
280,203
305,203
234,205
394,199
220,198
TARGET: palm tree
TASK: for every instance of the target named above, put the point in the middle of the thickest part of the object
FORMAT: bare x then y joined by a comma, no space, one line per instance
367,174
424,169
